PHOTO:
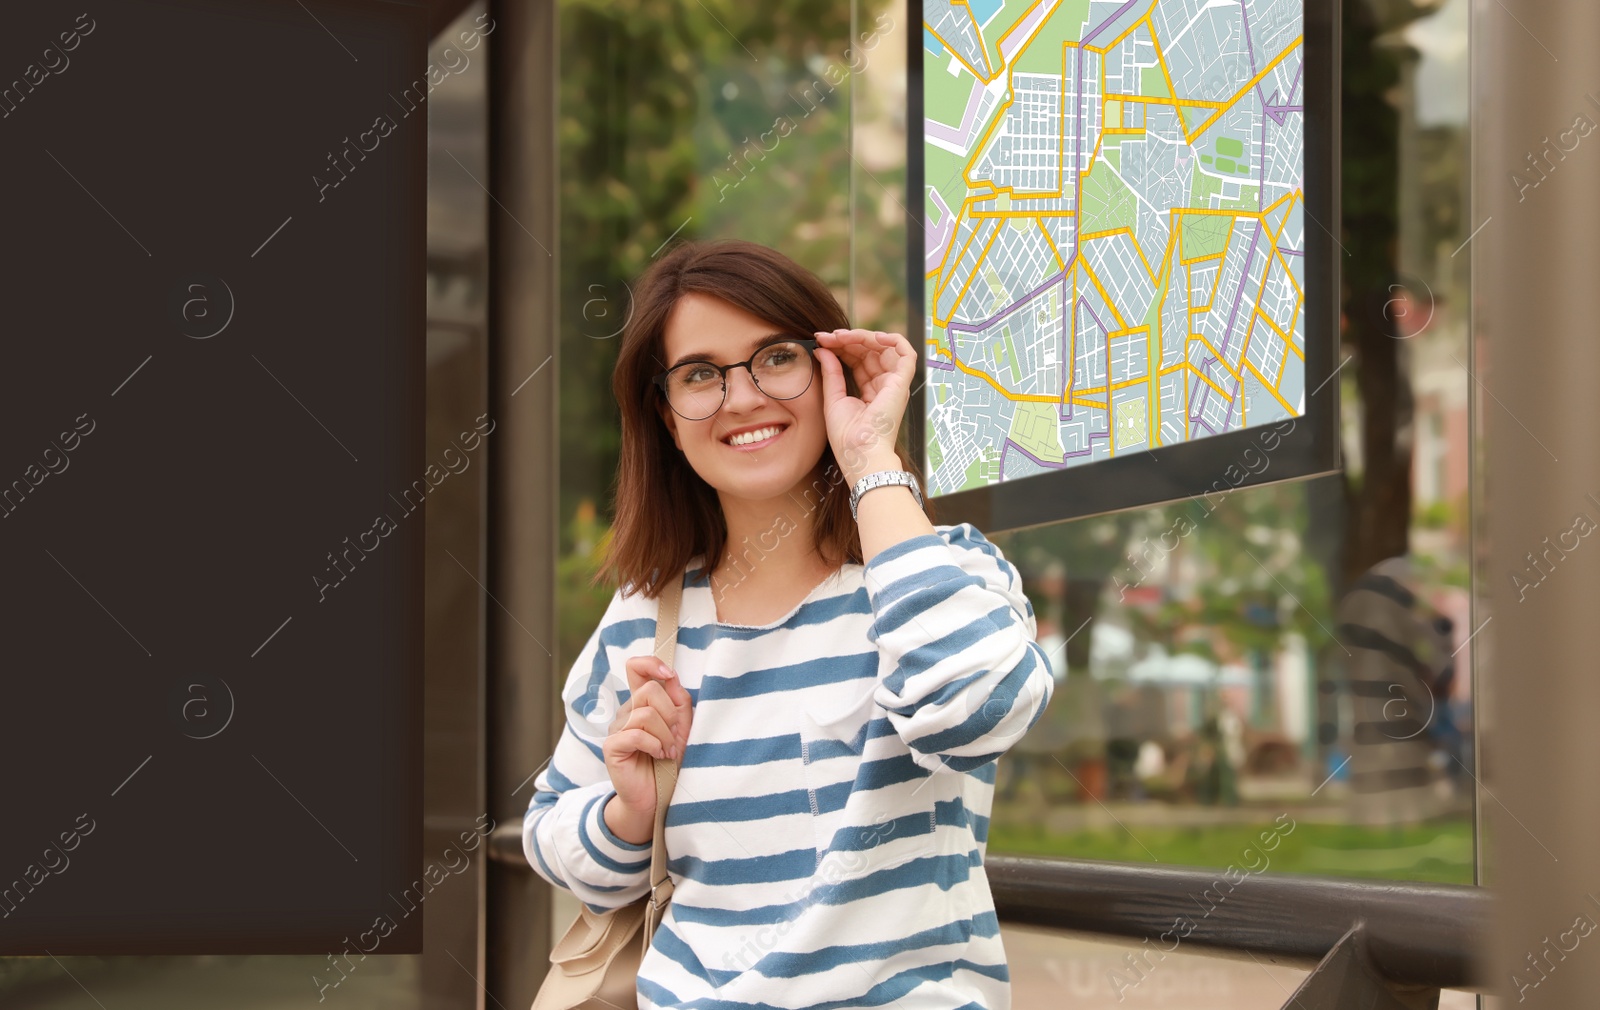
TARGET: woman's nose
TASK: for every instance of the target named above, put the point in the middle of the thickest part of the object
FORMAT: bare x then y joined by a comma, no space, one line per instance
742,389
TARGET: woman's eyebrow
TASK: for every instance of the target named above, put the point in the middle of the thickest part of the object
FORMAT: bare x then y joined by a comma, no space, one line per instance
751,347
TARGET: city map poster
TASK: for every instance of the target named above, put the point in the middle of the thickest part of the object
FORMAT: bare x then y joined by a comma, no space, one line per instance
1114,229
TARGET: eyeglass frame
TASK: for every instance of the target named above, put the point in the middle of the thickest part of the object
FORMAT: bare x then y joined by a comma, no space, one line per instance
810,343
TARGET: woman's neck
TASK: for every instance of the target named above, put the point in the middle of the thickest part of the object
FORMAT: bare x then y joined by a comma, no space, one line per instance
770,542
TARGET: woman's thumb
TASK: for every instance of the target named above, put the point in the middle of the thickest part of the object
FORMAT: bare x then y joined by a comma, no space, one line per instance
832,375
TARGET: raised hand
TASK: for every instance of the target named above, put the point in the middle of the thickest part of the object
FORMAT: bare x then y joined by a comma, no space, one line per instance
862,429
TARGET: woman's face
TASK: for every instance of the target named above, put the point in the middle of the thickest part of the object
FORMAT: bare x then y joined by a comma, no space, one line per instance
706,327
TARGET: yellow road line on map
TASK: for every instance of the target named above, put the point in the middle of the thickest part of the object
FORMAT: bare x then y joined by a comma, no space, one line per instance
994,233
1266,275
1194,103
939,290
951,50
1072,341
1163,291
1252,83
1186,435
1111,428
1091,236
1087,269
1203,377
1161,60
1268,387
1275,327
1060,263
1216,212
982,46
1274,206
1218,355
999,47
1021,213
1023,397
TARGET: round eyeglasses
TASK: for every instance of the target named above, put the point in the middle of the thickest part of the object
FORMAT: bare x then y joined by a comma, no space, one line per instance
781,369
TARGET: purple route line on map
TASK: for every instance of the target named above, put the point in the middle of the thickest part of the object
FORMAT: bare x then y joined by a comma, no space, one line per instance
1008,444
1261,184
1071,407
1087,39
1244,15
1276,113
1204,388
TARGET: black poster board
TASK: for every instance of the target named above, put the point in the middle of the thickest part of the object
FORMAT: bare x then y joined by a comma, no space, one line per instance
211,468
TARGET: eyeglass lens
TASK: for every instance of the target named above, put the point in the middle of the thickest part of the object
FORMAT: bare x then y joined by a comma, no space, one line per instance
781,370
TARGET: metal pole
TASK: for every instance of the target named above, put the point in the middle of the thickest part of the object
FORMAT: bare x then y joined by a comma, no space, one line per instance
522,544
1537,163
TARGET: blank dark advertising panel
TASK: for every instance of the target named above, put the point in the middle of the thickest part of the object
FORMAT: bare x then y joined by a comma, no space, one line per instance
211,476
1121,278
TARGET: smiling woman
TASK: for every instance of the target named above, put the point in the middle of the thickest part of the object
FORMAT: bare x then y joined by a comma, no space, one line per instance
718,302
837,707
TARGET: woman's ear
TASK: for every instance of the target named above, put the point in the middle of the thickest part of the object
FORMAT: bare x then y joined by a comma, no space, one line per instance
669,419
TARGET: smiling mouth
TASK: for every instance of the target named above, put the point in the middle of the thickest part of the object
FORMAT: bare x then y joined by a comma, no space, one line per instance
759,437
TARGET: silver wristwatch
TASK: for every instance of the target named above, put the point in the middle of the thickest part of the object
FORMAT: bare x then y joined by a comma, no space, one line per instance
882,478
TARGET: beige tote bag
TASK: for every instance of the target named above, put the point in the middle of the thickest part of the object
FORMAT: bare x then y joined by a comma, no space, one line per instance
595,966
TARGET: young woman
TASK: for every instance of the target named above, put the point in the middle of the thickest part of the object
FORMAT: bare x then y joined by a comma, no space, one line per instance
843,683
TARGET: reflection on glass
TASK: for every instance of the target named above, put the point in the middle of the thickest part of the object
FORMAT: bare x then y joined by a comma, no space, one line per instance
1294,659
1212,687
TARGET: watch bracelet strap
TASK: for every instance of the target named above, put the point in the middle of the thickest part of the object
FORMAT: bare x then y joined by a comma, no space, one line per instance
857,493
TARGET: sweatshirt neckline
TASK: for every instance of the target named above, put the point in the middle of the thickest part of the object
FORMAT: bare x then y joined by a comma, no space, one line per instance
704,583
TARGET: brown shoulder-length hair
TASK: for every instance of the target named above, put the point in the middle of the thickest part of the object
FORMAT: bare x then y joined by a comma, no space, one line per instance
666,514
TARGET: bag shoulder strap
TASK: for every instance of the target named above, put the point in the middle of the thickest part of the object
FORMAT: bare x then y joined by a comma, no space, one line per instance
666,772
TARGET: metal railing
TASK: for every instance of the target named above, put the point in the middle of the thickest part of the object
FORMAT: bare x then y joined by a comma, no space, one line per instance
1371,944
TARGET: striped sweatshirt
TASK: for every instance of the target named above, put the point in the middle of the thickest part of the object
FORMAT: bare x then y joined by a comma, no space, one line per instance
827,834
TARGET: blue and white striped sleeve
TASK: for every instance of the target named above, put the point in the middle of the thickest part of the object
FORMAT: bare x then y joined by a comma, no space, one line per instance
564,833
964,678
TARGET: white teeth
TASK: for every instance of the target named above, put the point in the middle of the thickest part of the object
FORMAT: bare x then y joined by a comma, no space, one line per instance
754,436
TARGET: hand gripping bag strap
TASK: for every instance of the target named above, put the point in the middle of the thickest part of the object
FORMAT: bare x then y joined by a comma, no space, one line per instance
594,966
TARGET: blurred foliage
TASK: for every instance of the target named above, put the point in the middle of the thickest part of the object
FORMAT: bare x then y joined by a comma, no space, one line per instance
1434,516
1255,583
667,132
1437,851
582,604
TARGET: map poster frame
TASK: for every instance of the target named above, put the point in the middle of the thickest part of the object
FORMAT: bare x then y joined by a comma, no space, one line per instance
1308,447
